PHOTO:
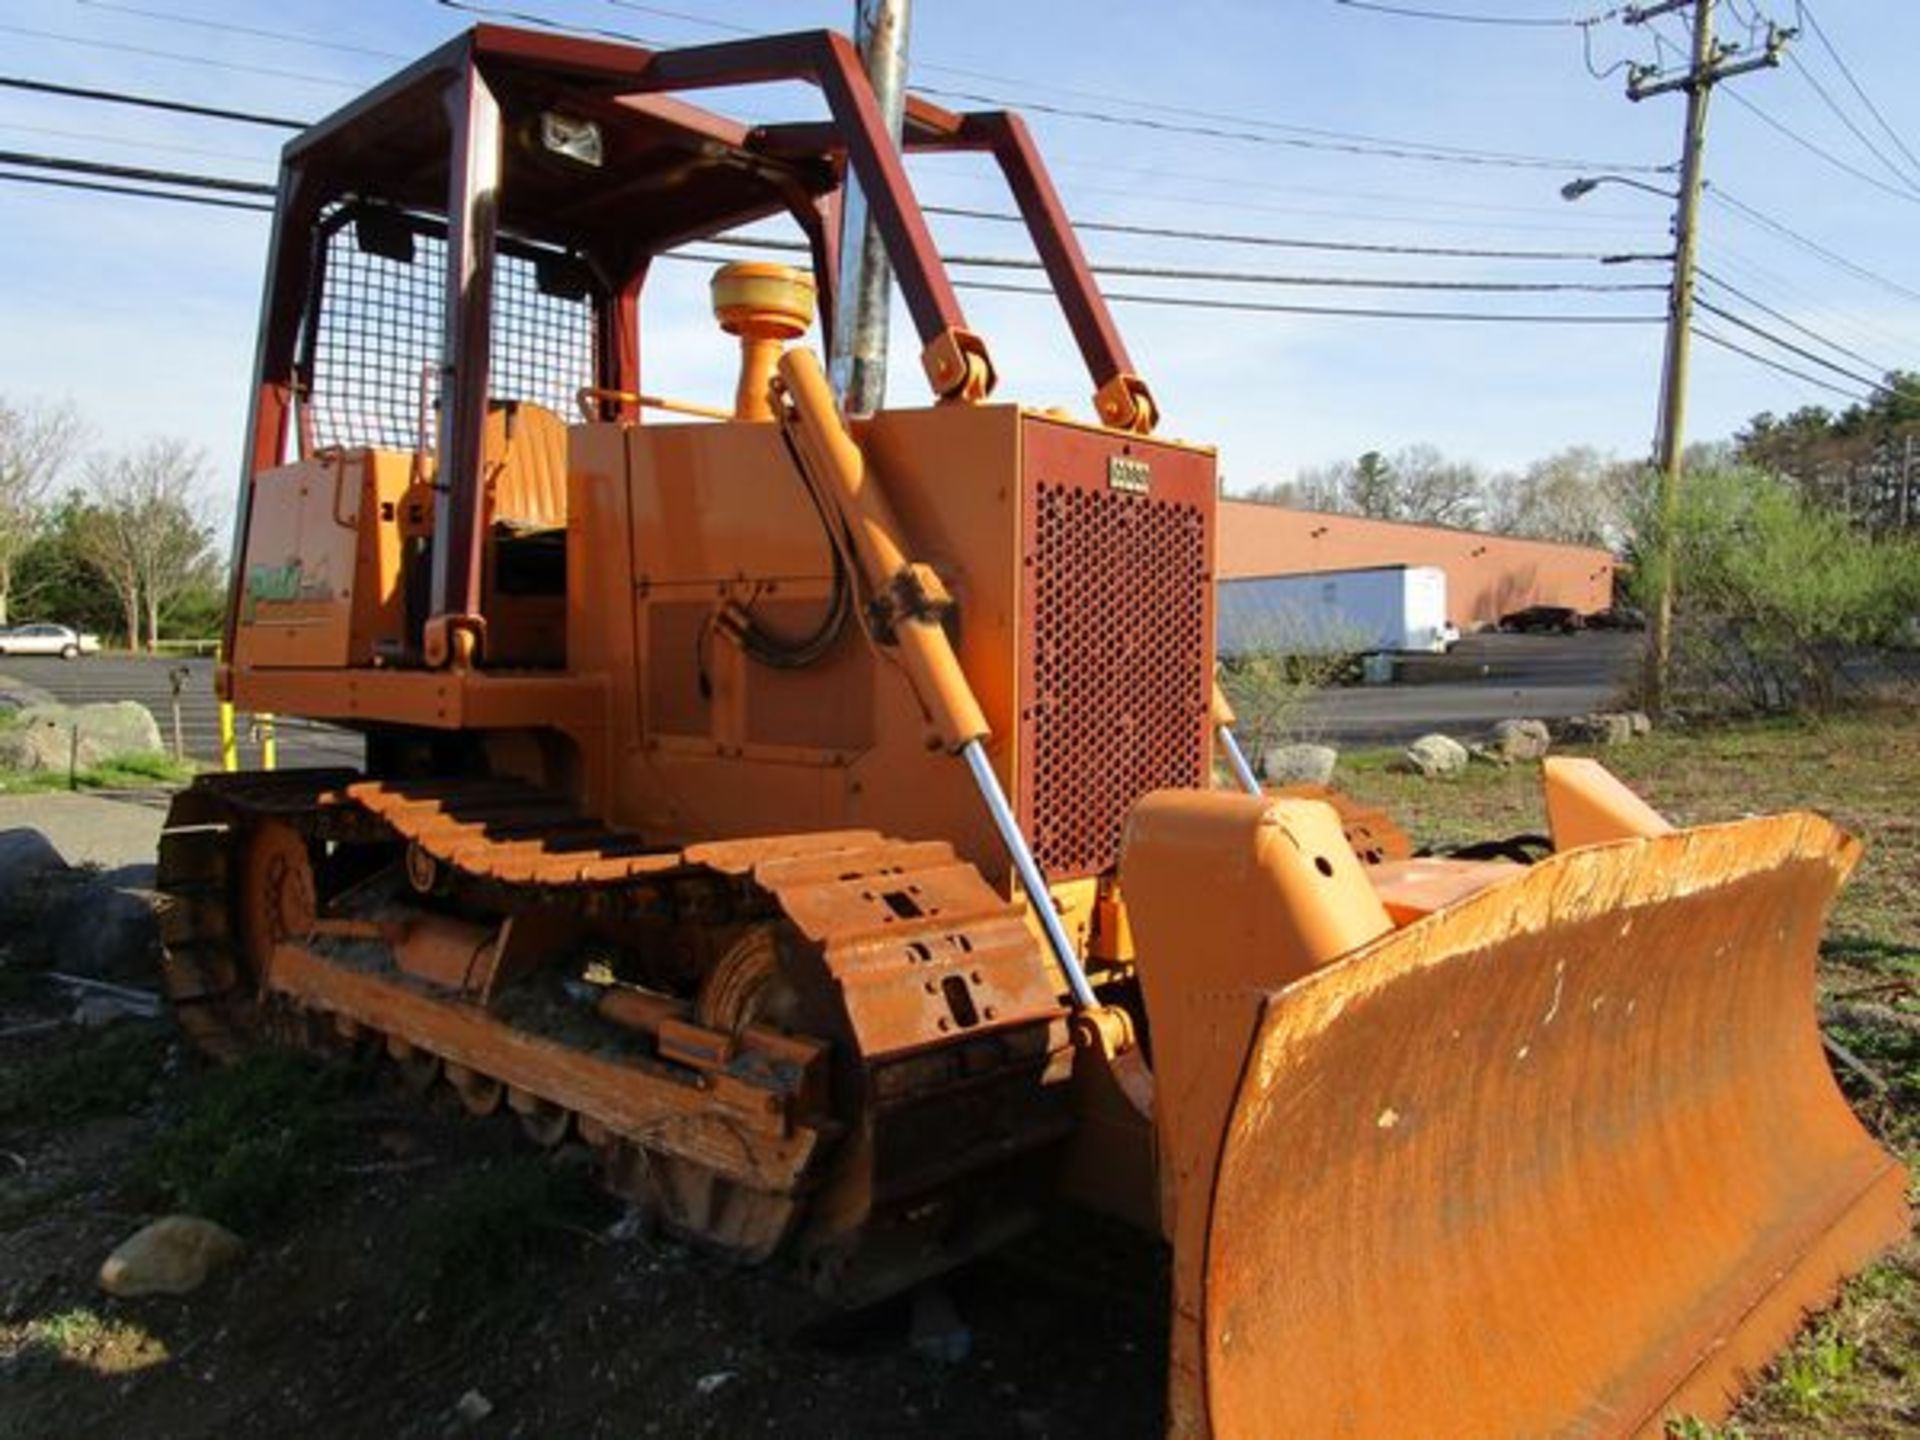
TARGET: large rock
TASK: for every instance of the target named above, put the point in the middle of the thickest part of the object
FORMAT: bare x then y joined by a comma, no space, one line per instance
1299,764
27,858
42,737
1608,728
1515,740
104,930
1432,755
173,1256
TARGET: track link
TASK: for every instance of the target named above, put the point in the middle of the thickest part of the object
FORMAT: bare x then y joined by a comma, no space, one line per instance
893,1118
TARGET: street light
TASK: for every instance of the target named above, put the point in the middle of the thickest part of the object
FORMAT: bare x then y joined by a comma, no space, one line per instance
1669,437
1587,184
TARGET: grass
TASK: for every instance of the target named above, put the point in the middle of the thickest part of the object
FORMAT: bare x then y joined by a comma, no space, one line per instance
85,1338
476,1242
255,1140
102,1072
1854,1373
138,771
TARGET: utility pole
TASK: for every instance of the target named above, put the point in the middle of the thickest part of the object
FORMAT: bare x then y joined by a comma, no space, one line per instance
1709,64
857,356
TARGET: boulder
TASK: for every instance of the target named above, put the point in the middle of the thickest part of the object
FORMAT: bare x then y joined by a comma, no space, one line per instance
1299,764
173,1256
27,858
1513,740
1641,723
1433,755
1606,728
42,737
103,931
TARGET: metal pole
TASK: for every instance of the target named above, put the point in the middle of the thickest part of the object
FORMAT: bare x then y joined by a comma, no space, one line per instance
1670,441
1028,869
858,364
1237,760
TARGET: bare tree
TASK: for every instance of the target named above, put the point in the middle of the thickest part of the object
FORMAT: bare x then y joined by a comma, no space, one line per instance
1577,494
36,443
143,533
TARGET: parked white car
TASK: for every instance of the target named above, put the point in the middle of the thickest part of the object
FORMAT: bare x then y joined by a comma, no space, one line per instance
61,640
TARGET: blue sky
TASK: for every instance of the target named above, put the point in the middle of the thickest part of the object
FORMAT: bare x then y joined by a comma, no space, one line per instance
142,312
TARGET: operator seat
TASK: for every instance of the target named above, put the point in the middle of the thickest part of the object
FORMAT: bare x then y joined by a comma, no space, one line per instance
524,578
524,450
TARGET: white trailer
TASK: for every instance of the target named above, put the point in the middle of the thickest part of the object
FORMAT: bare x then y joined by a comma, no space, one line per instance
1385,609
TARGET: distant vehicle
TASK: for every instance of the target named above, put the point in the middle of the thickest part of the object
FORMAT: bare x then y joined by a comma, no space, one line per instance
1387,609
1540,619
61,640
1617,617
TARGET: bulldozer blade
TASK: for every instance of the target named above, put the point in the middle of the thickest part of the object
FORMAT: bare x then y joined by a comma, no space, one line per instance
1562,1158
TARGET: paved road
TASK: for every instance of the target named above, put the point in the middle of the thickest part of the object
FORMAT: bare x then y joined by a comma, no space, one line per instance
1486,678
133,677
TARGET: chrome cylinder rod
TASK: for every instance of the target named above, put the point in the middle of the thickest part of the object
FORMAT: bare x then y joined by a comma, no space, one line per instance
1031,880
1237,760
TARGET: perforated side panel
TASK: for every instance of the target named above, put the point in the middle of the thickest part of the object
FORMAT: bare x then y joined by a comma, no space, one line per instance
1119,664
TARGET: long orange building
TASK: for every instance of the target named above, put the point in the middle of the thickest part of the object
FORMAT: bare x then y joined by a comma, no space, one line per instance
1487,575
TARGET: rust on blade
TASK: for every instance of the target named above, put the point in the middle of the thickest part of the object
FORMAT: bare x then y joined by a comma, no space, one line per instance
1564,1158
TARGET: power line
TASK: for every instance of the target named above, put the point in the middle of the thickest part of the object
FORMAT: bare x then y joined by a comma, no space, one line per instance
229,66
1247,277
1265,132
149,102
1865,330
1807,17
1793,324
1772,339
1911,196
140,191
1261,307
1279,242
1901,177
227,28
1457,17
1273,133
1771,364
1787,232
69,165
122,97
96,138
1129,298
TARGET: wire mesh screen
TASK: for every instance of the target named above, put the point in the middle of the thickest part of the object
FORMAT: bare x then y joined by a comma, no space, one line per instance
375,340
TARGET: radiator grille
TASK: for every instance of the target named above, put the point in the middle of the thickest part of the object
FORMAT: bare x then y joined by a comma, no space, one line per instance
1117,686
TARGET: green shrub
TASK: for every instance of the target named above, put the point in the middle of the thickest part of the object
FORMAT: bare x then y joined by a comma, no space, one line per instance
256,1139
1771,593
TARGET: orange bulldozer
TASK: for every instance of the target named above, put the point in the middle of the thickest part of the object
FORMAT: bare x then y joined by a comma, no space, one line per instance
815,815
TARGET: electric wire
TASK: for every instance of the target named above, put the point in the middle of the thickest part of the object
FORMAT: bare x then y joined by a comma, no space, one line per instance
1772,364
232,67
142,192
1791,323
122,97
228,28
1788,233
1908,194
1721,313
1806,18
1755,22
1280,242
149,102
188,181
1459,17
1245,277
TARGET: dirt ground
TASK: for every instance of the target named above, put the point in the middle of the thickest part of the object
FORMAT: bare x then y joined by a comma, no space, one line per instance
409,1268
